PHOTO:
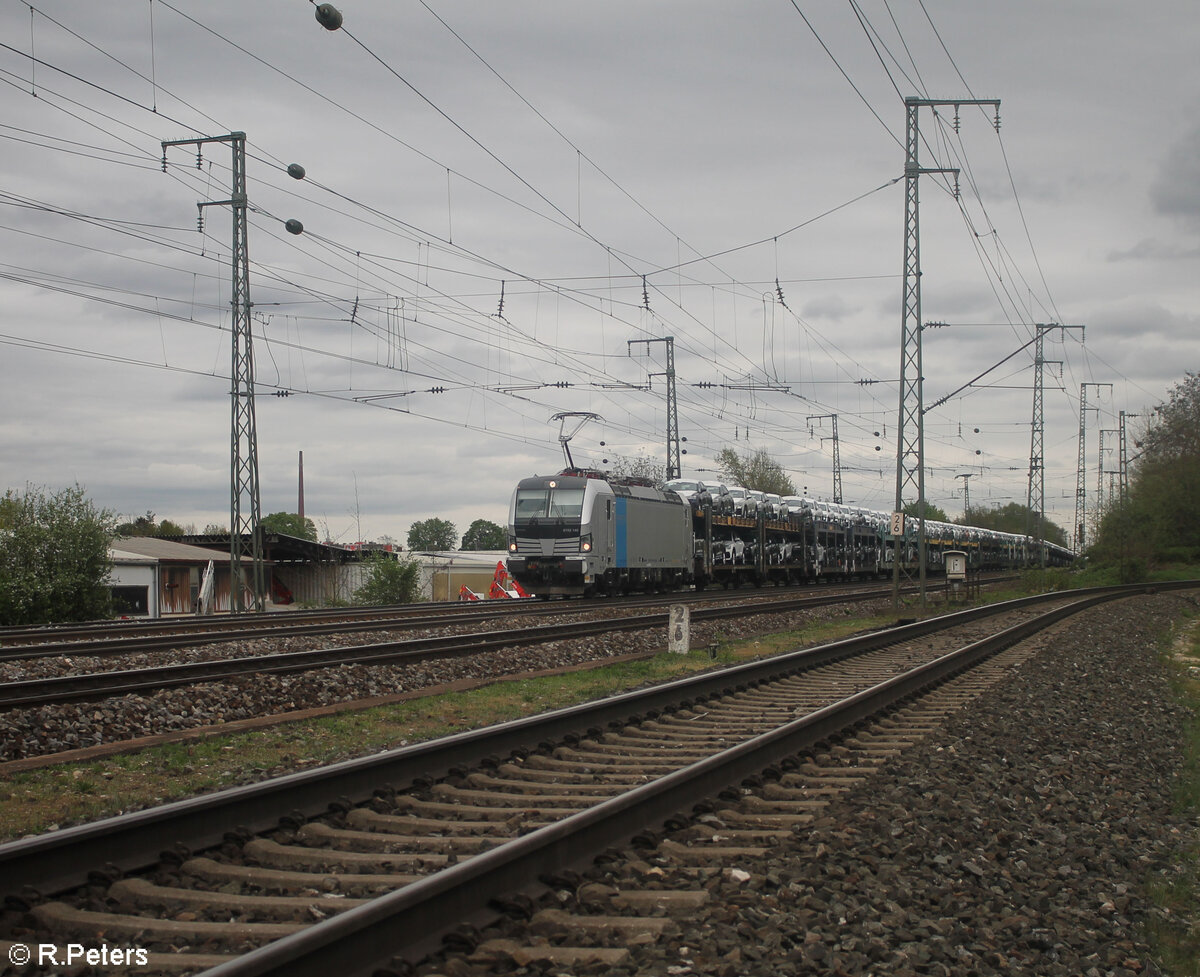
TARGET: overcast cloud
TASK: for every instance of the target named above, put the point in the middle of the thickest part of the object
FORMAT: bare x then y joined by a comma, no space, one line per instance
456,239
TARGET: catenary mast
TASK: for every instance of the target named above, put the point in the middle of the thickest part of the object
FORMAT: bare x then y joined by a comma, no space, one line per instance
910,435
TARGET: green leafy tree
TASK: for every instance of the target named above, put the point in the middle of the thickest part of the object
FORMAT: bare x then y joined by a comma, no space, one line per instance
146,526
141,526
432,534
54,562
932,512
639,466
390,580
289,524
1012,518
1159,521
484,535
754,470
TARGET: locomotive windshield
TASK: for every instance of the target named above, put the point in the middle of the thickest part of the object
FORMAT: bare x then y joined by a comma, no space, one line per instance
549,503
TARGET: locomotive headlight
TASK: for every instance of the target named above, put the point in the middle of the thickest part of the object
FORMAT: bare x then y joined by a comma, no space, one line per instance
512,544
585,543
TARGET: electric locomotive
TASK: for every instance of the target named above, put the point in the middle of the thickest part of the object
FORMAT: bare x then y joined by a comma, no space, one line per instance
580,532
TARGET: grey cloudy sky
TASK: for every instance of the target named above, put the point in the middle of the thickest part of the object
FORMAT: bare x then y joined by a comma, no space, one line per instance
745,158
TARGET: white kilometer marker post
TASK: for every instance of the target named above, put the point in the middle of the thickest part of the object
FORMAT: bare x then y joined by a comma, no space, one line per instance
679,630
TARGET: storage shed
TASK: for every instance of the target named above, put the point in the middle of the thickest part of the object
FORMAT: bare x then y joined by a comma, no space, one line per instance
157,577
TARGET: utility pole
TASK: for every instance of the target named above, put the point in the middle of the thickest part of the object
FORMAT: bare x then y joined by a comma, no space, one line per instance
1123,526
1123,458
245,535
1081,466
910,436
837,458
1106,471
674,469
1036,496
966,477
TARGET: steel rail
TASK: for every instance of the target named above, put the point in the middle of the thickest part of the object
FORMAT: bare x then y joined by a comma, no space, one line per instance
170,625
73,638
207,635
100,685
118,638
208,632
54,862
408,919
114,637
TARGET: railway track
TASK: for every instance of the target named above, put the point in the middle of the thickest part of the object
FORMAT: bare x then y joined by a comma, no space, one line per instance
118,638
184,634
503,807
116,630
95,685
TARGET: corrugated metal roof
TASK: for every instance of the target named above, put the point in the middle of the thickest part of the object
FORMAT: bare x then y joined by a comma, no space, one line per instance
166,549
281,548
462,558
123,556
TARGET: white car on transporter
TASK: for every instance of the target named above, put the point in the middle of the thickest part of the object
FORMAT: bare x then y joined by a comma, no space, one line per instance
744,504
697,494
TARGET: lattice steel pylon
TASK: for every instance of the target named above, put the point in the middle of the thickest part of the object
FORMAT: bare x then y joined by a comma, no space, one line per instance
1035,498
245,535
910,435
1105,471
674,468
1123,459
1081,467
837,457
966,477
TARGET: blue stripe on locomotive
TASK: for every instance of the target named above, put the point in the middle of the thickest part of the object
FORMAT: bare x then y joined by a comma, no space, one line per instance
621,555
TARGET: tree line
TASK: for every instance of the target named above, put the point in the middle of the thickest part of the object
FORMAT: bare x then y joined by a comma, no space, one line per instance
1156,522
441,535
55,563
425,534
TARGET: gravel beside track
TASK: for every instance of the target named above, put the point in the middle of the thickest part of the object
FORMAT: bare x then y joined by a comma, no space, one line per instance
1019,842
75,663
69,726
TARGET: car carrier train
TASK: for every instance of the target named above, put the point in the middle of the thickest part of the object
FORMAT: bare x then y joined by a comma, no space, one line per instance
583,532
